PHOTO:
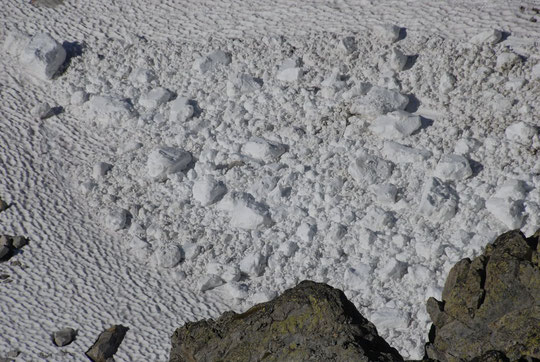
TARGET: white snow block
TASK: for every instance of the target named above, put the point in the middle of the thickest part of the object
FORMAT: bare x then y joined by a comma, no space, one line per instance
164,161
385,193
168,256
509,212
208,190
209,282
453,167
358,277
181,110
379,101
404,154
367,170
392,268
492,36
514,189
507,60
395,125
245,212
387,32
108,111
212,61
253,264
43,56
241,84
521,132
397,60
289,74
306,232
155,98
447,83
263,150
438,202
378,220
390,318
116,219
142,75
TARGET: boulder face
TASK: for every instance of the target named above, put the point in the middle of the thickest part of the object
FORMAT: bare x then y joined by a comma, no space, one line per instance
311,321
491,305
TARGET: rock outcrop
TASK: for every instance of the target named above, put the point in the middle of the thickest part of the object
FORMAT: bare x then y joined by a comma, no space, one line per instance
490,308
312,321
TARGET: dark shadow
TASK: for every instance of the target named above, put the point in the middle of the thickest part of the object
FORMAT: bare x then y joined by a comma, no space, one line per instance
424,123
73,49
197,111
413,105
402,34
505,35
55,111
476,167
411,61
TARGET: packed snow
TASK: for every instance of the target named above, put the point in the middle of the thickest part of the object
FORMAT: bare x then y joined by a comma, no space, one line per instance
164,177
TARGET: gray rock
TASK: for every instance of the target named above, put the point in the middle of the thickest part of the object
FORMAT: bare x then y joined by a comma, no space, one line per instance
64,336
19,241
6,247
107,344
312,322
490,308
3,205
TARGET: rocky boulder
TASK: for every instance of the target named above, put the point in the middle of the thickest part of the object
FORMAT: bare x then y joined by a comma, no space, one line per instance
490,308
311,321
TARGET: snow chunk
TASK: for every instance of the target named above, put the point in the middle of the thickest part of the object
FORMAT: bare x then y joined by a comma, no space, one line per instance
164,161
289,74
108,111
379,101
509,212
348,44
390,318
181,110
447,83
404,154
358,277
212,61
397,60
43,56
521,132
142,75
263,150
15,43
116,219
253,264
155,98
453,167
288,248
209,282
168,256
392,269
377,219
492,36
208,190
306,232
42,111
507,60
385,193
245,212
397,124
242,84
387,32
367,169
100,169
535,71
439,202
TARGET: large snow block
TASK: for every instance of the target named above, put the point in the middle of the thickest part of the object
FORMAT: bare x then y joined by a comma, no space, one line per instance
43,56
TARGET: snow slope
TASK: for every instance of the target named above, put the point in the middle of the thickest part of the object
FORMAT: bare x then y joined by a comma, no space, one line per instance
289,175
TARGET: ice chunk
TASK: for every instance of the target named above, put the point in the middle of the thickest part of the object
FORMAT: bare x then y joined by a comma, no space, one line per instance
377,219
78,98
379,101
521,132
181,110
492,36
358,277
390,318
245,212
306,232
242,84
507,60
168,256
142,75
439,202
42,111
43,56
212,61
385,193
116,219
509,212
208,190
262,296
263,150
164,161
253,264
404,154
236,290
367,169
397,124
209,282
155,98
108,111
288,248
453,167
447,83
392,269
514,189
387,32
397,60
289,74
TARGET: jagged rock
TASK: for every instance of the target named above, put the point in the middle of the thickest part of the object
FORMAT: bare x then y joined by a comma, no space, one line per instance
64,337
490,308
107,344
312,321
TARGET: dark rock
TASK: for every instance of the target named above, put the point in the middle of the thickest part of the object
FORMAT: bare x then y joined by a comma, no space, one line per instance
107,344
312,321
64,336
19,241
3,205
490,309
6,247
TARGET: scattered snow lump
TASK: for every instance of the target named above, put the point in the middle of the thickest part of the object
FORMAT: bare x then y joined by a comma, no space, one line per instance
492,36
439,202
245,212
379,101
453,167
100,169
155,98
181,110
108,111
116,219
447,83
377,219
289,74
507,60
388,32
507,204
43,56
242,83
521,132
212,61
168,256
253,264
208,190
209,282
397,60
404,154
263,150
367,170
397,124
164,161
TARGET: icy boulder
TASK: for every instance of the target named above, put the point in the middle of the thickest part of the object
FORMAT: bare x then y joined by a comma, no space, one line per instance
208,190
367,170
155,98
164,161
212,61
397,124
108,111
507,204
245,212
43,56
379,101
453,167
181,110
521,132
439,202
263,150
242,84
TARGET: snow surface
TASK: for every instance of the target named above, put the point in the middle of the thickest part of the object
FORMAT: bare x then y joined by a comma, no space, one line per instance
210,155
